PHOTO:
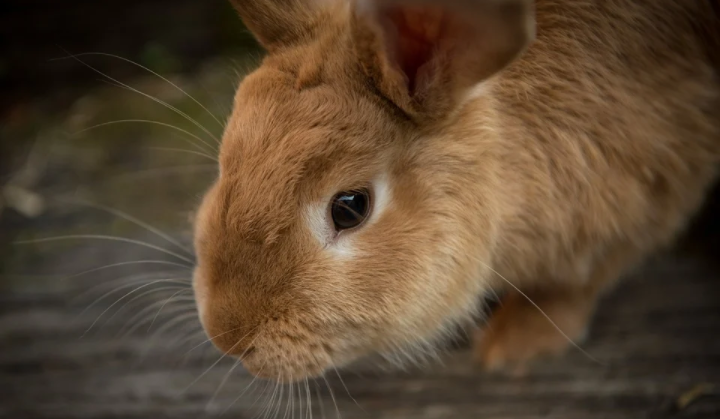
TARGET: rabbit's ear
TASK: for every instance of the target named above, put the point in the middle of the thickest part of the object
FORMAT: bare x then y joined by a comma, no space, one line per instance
278,23
425,55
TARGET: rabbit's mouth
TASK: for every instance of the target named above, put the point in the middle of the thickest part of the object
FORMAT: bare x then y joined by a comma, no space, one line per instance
284,357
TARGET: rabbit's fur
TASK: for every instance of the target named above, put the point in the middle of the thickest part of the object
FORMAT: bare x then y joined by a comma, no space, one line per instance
509,145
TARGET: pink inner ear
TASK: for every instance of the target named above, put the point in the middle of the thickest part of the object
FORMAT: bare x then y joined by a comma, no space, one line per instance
418,32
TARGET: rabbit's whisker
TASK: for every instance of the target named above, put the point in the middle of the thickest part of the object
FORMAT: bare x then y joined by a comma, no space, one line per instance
179,312
108,238
318,393
212,115
547,317
224,354
222,383
289,406
244,391
162,171
198,145
128,281
346,388
289,399
182,150
122,298
128,263
191,315
237,363
262,393
141,318
125,216
332,396
194,333
270,407
153,98
211,338
139,296
308,401
182,320
171,298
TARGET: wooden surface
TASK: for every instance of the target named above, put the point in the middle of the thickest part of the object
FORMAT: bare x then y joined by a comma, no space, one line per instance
656,339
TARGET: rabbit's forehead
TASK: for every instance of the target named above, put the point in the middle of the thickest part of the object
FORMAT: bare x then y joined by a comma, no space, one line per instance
311,131
272,100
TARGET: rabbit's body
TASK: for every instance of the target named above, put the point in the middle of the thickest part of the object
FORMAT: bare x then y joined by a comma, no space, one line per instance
610,137
553,173
608,141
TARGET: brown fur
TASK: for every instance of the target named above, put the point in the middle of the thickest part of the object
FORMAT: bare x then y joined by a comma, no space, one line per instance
570,165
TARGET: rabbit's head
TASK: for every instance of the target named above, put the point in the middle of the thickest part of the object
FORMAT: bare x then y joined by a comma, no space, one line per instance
353,213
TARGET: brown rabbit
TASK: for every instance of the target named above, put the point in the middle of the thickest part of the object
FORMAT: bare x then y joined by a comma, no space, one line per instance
391,162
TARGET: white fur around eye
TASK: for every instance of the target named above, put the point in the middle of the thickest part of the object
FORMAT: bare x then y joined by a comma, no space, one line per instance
381,198
343,245
315,216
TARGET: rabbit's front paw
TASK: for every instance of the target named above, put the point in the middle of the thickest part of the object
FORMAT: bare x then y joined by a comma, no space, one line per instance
521,331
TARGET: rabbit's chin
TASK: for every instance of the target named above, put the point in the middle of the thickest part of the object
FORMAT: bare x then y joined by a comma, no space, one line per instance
281,356
279,362
275,362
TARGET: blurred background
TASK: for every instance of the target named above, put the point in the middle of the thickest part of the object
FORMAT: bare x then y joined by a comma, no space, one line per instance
110,116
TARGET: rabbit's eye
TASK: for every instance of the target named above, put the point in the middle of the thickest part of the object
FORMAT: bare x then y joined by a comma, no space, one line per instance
349,209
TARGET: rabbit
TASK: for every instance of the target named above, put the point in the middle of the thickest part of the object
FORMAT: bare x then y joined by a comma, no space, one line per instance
392,162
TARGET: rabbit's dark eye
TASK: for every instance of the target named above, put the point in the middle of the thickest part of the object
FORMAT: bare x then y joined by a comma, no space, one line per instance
349,209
